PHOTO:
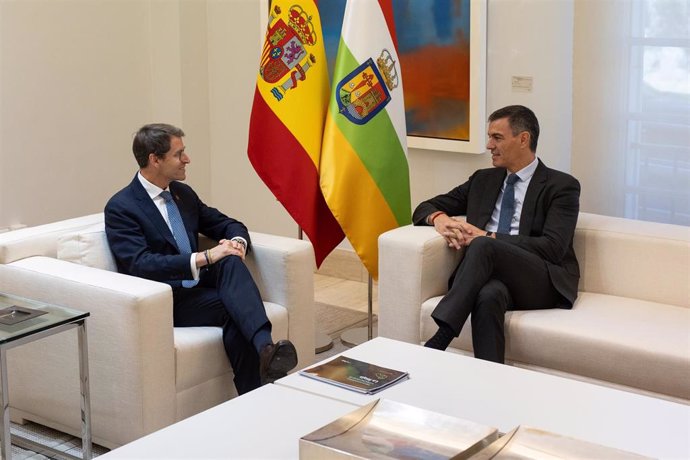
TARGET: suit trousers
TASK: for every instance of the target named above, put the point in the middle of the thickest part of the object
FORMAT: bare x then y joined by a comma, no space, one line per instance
227,297
494,276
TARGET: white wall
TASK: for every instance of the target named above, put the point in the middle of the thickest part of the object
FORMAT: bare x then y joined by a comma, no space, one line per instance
234,43
69,94
78,77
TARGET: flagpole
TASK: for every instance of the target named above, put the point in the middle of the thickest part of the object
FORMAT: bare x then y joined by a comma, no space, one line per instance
359,335
322,341
370,309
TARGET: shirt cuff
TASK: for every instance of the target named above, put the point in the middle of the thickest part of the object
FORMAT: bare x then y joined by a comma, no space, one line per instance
192,264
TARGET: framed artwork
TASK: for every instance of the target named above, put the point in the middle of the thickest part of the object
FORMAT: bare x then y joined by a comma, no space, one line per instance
442,51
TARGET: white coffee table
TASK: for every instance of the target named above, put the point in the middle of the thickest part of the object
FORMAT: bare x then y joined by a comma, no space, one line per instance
263,424
506,396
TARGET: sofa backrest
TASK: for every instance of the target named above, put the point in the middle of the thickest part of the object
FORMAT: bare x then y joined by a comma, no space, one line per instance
83,241
632,258
87,246
41,240
80,240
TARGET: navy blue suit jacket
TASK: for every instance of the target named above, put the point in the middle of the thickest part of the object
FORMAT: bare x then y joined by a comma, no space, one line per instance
141,241
547,223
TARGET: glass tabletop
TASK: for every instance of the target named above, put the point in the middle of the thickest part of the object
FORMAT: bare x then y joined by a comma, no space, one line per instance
20,317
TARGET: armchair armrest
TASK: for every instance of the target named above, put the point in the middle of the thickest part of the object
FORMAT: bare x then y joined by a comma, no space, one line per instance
414,265
283,269
131,350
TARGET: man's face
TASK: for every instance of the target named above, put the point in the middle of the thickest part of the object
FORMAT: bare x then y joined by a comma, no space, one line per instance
507,151
172,166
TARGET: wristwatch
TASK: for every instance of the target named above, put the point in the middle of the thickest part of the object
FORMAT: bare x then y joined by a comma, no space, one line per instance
241,241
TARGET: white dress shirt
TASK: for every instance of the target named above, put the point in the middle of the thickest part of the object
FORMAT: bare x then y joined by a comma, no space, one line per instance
154,192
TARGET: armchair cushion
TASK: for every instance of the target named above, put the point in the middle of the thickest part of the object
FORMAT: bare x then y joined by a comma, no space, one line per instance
600,330
88,246
40,240
199,352
199,356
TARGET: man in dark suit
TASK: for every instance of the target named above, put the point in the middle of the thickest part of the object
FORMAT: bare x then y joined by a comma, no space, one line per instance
518,250
152,227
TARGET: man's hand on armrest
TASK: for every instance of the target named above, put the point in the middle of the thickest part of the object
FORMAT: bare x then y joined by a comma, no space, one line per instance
450,229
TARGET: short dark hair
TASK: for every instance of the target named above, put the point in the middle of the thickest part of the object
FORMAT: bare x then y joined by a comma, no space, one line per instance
520,119
153,138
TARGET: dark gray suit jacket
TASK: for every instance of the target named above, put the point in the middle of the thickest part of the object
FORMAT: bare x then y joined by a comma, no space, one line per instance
547,223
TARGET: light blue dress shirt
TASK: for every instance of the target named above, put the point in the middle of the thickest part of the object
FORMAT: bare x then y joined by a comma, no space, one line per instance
525,175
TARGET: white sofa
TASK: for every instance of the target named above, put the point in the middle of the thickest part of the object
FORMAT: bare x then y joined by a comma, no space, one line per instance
629,328
144,374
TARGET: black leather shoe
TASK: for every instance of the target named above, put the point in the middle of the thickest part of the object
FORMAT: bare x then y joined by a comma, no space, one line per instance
276,360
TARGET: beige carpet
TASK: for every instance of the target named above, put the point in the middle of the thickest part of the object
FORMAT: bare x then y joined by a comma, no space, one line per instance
332,320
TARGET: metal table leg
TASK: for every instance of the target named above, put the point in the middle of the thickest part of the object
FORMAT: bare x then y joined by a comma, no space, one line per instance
85,394
6,442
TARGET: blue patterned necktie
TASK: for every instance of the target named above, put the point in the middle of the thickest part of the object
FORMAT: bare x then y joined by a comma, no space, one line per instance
178,231
507,205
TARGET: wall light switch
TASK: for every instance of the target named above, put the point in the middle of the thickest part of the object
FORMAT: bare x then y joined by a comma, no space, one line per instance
521,84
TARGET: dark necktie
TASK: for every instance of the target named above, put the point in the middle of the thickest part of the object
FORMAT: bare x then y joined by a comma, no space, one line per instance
507,205
178,230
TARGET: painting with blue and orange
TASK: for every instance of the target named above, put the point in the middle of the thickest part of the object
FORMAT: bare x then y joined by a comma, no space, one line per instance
434,51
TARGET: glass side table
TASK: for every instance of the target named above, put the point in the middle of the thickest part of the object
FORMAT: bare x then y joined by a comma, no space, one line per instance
23,321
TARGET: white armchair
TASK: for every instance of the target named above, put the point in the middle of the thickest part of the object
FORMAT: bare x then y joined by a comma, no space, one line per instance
144,374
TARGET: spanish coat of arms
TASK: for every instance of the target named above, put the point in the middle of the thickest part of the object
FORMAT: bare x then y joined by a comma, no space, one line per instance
285,59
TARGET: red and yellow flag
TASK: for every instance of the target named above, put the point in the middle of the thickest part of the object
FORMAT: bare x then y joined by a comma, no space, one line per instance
286,127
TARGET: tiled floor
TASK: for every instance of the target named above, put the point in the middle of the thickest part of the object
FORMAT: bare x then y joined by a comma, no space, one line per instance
344,293
54,439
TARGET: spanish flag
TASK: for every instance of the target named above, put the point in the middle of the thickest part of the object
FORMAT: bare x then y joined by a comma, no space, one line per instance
364,172
286,126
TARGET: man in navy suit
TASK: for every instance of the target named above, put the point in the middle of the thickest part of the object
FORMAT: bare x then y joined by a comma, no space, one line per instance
152,227
518,255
